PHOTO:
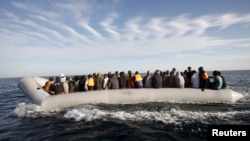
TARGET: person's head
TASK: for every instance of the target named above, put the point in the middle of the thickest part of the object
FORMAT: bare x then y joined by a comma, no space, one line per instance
215,73
182,73
171,73
89,76
148,72
62,75
200,68
67,78
189,68
219,73
177,73
129,72
51,78
167,72
99,75
157,72
122,73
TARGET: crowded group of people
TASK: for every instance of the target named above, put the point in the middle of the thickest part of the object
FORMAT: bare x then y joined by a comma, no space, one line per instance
119,80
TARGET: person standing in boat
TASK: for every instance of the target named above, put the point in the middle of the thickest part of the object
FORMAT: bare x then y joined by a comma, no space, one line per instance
58,86
147,80
48,85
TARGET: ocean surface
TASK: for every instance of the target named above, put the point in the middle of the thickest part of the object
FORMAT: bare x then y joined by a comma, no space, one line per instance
21,120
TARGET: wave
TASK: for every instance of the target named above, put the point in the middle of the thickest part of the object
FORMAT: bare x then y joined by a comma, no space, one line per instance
173,114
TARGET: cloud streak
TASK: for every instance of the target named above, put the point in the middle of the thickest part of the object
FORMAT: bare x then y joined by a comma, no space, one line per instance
73,30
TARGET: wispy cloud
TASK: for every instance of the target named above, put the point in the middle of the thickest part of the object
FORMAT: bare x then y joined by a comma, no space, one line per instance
86,26
76,29
109,27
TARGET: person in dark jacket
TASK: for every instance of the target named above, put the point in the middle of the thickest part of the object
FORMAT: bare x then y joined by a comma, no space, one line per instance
122,80
224,83
147,80
157,80
113,82
58,86
99,82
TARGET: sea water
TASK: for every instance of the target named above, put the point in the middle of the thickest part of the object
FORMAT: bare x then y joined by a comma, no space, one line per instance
22,120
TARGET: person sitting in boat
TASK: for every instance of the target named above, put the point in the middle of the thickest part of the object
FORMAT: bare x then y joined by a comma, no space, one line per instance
98,82
157,80
187,82
203,76
179,80
147,80
62,77
224,83
48,85
138,80
171,80
82,85
164,76
130,83
189,74
66,85
173,71
105,81
58,86
217,82
122,80
91,82
195,80
113,82
71,86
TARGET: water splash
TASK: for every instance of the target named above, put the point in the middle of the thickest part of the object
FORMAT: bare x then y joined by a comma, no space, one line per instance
29,110
174,116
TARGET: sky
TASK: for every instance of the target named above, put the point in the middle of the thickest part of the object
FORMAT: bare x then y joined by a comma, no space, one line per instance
74,37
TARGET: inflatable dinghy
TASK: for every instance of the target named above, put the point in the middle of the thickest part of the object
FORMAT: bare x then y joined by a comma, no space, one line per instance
32,88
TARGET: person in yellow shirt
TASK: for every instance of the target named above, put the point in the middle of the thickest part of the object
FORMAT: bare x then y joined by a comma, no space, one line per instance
91,82
138,80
